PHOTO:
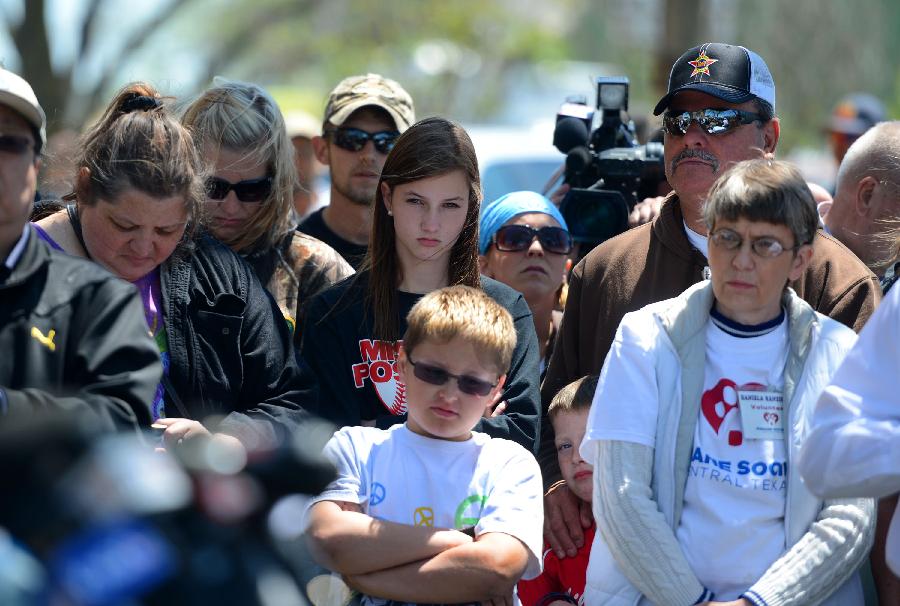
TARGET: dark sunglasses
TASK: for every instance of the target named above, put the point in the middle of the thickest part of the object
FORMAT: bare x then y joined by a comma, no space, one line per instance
515,238
712,121
251,190
15,144
766,247
354,139
435,375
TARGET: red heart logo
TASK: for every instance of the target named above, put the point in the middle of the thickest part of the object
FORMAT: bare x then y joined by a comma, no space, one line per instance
718,401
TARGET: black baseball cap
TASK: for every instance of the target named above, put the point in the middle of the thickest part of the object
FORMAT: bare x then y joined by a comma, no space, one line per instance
730,73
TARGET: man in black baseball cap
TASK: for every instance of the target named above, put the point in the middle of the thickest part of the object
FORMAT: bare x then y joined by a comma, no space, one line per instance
718,110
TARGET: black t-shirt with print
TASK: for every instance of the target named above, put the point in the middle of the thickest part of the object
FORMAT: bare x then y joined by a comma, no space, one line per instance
315,226
356,372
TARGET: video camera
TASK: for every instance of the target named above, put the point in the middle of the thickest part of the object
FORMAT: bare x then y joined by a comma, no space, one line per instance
607,169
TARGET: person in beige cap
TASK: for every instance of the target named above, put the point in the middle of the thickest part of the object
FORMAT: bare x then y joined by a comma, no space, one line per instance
77,334
301,128
363,118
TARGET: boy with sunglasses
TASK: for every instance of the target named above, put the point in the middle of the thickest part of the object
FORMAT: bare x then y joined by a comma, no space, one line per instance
719,110
363,118
430,511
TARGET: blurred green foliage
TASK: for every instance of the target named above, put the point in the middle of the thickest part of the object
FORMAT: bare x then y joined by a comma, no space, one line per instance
457,57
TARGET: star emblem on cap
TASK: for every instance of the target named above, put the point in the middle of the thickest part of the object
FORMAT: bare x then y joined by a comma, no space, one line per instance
701,64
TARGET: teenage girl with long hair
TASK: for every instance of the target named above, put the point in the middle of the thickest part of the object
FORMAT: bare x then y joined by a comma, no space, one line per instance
424,237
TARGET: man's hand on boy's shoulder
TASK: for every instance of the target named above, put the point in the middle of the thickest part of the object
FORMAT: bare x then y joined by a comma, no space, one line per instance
565,518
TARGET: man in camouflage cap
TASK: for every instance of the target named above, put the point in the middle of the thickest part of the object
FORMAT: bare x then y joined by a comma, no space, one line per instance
363,118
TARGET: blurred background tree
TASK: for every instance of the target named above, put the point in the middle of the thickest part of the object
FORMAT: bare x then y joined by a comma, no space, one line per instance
474,60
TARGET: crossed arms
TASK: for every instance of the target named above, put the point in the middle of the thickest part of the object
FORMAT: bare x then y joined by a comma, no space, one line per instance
414,563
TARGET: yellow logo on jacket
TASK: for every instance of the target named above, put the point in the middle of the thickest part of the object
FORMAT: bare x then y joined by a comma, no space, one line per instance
45,340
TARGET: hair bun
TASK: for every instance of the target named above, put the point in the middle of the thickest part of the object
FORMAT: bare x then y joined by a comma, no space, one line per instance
137,102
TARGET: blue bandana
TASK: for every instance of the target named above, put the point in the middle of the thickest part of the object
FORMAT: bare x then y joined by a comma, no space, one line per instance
504,208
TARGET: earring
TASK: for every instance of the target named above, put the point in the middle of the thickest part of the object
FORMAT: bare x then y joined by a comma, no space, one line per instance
390,214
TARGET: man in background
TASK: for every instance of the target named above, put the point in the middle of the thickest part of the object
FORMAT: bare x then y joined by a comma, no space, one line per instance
301,129
866,208
363,118
851,117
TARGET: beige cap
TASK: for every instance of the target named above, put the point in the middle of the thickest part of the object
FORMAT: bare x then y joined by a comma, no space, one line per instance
302,124
18,95
372,89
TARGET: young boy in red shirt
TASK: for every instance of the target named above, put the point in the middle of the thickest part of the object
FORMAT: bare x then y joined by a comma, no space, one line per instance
562,581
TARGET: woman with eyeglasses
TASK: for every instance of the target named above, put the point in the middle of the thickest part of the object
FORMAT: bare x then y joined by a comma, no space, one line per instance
228,361
424,237
702,406
525,243
240,131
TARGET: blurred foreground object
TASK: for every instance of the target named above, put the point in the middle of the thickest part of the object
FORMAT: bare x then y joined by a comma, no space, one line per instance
99,519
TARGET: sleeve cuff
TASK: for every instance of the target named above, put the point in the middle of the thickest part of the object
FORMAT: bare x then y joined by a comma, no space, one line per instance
705,596
754,598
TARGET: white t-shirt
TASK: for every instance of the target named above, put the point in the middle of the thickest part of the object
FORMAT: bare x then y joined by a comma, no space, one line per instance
698,241
855,445
732,524
397,475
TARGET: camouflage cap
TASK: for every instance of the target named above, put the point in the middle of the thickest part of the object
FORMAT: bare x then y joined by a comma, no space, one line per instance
372,89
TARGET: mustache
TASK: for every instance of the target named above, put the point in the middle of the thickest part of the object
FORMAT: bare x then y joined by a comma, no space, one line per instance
689,152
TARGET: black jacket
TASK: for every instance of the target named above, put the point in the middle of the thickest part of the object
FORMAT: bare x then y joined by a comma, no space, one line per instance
229,346
356,372
73,338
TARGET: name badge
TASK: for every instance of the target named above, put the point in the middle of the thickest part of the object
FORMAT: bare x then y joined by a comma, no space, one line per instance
762,414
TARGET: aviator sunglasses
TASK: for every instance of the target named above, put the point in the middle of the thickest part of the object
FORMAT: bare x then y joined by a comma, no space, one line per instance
251,190
712,121
14,144
354,139
435,375
766,246
516,238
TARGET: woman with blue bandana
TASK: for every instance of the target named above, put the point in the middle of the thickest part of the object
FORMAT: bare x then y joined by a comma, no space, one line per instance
524,242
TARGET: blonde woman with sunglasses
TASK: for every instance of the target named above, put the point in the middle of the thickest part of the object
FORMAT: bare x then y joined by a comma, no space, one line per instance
240,131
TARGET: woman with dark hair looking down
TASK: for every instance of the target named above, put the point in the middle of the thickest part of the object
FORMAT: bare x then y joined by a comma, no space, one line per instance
228,361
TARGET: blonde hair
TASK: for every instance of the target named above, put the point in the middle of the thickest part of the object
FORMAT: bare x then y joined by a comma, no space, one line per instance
466,312
577,395
243,118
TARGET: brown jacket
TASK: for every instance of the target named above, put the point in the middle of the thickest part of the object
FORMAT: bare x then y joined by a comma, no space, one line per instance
656,261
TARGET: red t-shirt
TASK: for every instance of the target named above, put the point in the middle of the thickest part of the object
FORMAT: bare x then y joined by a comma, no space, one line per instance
560,576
